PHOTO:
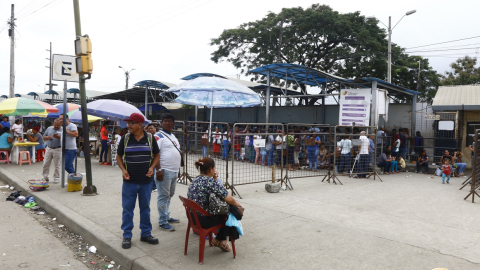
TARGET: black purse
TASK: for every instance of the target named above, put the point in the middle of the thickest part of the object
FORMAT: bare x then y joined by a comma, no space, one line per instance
217,206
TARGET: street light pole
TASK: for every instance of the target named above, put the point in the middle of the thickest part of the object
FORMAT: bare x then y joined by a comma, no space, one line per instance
390,29
389,49
127,76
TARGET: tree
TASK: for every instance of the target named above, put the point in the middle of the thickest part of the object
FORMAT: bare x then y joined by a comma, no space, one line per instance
463,72
347,45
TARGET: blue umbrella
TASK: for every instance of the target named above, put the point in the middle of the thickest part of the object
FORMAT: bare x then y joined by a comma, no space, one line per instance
215,92
109,109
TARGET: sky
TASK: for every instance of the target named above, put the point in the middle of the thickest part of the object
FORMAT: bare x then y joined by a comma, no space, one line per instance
167,40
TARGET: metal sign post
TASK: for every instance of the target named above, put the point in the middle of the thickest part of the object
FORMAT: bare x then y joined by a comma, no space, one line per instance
64,130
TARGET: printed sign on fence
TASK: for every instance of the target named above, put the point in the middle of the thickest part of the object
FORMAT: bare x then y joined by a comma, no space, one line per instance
355,107
259,143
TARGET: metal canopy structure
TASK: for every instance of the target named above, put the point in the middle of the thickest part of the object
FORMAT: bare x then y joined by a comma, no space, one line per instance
196,75
330,85
143,92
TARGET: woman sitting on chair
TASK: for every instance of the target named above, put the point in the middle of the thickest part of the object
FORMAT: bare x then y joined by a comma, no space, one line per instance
199,191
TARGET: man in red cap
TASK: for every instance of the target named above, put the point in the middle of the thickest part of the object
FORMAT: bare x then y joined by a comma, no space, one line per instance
137,156
35,136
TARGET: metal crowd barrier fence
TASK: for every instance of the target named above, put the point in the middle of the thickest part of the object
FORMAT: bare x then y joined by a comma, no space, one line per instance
354,154
201,143
308,151
257,154
179,132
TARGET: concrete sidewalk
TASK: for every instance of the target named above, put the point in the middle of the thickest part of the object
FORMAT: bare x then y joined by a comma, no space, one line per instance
404,222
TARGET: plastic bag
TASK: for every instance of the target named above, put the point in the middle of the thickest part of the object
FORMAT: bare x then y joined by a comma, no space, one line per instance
232,221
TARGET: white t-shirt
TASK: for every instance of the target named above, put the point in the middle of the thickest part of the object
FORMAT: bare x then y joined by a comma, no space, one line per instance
269,142
346,145
169,155
225,136
17,129
279,139
217,138
397,145
364,146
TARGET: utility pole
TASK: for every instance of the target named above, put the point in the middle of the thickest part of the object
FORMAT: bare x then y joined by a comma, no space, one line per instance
11,33
50,67
389,49
90,189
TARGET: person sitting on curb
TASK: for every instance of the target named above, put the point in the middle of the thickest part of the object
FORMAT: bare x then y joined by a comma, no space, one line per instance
137,156
422,161
384,160
458,161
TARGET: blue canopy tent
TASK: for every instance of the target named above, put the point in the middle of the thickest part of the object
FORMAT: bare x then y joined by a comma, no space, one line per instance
35,95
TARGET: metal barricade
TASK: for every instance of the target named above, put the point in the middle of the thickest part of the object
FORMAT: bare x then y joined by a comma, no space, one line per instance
179,132
355,153
308,151
257,154
201,143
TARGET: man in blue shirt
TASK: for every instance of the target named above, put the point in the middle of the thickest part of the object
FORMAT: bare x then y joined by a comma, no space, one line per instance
5,122
371,149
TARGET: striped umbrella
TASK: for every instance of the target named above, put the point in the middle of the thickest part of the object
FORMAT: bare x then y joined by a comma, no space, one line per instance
75,116
25,106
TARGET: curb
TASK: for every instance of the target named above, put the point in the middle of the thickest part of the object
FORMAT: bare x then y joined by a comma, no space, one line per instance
107,242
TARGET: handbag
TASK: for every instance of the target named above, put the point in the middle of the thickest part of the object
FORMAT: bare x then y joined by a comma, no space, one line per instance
310,142
38,184
217,206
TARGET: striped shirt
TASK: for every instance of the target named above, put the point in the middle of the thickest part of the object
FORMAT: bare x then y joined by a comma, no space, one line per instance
138,157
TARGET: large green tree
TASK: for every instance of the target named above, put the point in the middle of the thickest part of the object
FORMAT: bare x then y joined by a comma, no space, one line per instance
348,45
464,71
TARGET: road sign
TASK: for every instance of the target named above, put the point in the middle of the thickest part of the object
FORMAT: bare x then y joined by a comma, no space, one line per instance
432,117
64,68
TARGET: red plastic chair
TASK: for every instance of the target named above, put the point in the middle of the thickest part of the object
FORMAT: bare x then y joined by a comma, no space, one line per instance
193,207
40,155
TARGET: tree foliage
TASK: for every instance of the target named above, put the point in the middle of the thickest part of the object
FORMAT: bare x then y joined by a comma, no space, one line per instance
463,72
347,45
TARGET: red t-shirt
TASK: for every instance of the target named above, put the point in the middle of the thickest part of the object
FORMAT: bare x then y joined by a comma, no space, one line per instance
446,169
102,132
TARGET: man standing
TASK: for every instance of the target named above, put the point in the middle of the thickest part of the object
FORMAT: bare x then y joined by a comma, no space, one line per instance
53,151
137,155
70,144
364,159
380,136
403,143
168,171
5,123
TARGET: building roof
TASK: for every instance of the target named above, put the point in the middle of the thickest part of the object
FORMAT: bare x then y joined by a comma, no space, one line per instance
457,98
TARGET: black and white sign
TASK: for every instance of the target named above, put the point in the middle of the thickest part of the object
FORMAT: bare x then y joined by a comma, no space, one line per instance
64,68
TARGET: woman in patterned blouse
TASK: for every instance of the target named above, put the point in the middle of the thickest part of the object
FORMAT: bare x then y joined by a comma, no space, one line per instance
199,191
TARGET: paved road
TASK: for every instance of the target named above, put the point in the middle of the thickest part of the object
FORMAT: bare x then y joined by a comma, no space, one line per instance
26,244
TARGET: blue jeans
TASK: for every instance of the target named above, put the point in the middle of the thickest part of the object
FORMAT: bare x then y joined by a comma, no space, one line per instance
104,151
252,153
225,149
40,146
344,163
263,153
370,157
204,151
363,165
461,167
165,190
279,157
424,164
443,178
270,157
130,192
70,155
312,158
394,167
385,165
403,153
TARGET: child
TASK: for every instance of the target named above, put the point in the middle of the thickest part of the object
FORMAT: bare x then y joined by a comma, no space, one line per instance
401,162
322,156
446,171
394,165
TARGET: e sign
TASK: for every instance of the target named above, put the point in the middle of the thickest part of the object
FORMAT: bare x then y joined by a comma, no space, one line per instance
64,68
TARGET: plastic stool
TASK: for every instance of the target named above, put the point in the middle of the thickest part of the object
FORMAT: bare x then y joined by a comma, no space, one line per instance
21,160
74,182
40,154
4,160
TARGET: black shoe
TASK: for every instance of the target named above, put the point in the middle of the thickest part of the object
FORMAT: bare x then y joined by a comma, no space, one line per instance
149,239
127,243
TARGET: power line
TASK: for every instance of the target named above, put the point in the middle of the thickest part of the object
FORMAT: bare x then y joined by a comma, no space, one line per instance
443,42
457,49
138,31
43,10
